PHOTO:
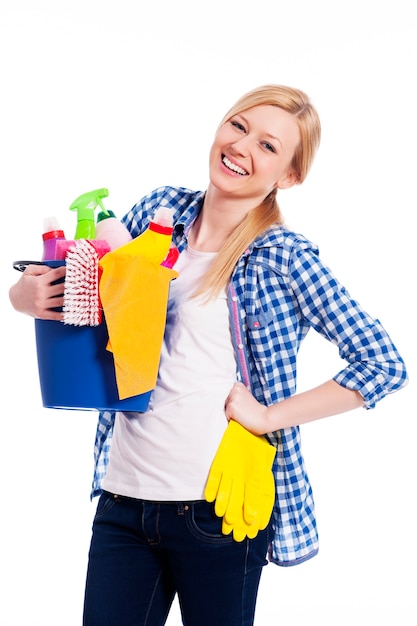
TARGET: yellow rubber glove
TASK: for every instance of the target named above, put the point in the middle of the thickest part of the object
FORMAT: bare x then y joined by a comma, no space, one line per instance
241,482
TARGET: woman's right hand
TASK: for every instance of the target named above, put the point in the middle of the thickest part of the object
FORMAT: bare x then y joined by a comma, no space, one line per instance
35,294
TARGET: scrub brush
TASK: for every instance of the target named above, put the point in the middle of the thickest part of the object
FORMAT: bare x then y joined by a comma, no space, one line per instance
82,306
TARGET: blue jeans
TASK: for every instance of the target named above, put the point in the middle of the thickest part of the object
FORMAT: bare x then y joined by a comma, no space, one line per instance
142,553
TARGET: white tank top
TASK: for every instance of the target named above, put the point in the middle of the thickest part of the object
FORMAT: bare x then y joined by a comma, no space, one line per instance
166,453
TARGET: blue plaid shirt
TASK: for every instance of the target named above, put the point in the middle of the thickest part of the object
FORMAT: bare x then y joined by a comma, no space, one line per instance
279,290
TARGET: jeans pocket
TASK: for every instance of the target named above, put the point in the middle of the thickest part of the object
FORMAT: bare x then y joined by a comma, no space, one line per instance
105,504
204,524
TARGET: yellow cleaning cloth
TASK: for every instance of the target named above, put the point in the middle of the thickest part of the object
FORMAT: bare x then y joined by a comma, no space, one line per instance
134,296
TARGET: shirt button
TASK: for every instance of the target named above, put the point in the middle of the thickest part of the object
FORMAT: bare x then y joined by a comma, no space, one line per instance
240,346
234,298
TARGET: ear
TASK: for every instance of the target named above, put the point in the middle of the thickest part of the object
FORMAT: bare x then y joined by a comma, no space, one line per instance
288,181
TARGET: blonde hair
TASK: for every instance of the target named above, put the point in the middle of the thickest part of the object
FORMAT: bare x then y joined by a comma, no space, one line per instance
258,219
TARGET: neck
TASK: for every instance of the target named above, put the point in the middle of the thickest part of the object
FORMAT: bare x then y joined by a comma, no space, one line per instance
229,208
217,220
207,234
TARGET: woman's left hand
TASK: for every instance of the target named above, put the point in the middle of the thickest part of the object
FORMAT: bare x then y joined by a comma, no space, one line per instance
242,407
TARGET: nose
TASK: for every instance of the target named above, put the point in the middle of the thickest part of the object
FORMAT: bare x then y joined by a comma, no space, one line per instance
241,146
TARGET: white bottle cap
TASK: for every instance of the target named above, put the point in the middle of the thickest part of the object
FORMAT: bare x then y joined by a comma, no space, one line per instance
50,224
164,216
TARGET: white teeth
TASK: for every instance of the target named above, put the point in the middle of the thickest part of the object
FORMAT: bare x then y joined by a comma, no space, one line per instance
233,167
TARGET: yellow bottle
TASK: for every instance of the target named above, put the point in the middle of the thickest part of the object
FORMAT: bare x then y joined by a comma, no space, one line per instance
155,241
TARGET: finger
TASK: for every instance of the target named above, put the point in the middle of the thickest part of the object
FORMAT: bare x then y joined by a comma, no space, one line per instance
223,495
38,270
268,502
212,485
50,315
234,510
56,304
252,503
56,290
239,531
226,528
56,274
227,402
252,530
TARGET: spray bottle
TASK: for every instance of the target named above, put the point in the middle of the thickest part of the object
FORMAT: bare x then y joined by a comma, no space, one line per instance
154,243
85,205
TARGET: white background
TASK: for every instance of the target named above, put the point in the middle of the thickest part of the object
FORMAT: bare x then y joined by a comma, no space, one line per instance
127,95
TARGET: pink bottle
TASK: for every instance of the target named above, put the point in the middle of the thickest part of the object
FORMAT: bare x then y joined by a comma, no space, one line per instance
51,234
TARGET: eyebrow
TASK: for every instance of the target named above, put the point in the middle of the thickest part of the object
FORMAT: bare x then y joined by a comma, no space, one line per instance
266,134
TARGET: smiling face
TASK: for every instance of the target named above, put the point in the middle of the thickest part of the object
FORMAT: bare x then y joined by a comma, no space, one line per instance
252,153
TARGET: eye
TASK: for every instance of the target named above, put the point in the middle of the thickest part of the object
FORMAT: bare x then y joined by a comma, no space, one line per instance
268,146
237,125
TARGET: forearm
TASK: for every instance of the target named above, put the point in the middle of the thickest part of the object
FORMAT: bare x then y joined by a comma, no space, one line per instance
328,399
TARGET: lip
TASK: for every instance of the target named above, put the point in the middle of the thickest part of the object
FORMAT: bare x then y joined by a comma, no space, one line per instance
230,171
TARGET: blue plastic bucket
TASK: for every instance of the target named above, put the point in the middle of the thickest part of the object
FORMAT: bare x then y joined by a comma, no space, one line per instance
75,369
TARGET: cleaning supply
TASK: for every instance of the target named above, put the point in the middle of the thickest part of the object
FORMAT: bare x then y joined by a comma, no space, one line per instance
241,482
134,290
82,306
64,246
154,243
52,233
75,369
85,205
111,229
172,256
134,296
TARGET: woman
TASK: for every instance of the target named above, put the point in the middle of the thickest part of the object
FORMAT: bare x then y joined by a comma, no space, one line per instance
247,293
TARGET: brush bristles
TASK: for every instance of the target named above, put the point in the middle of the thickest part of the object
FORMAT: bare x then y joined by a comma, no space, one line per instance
81,291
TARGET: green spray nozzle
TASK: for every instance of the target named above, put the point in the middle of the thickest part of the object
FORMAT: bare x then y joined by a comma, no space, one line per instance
85,205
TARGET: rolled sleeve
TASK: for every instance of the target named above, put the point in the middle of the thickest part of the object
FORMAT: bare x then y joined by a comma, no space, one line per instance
373,380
